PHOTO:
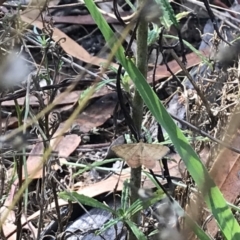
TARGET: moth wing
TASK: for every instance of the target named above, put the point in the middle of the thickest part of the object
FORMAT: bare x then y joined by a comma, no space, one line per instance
161,151
151,153
134,161
130,153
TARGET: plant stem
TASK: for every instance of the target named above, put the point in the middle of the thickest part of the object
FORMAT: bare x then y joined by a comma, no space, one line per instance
141,62
137,112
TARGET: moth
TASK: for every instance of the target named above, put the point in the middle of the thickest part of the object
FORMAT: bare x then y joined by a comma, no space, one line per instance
137,154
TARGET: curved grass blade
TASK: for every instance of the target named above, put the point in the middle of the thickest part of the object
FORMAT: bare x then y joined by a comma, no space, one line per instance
85,200
139,234
205,183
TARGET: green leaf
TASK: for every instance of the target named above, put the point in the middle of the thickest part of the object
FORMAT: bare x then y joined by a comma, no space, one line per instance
139,234
168,17
154,232
182,15
140,204
196,228
88,201
107,225
120,213
125,196
134,208
90,166
153,34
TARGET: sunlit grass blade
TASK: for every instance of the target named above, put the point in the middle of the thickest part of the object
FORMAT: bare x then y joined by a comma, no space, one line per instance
206,185
196,228
85,200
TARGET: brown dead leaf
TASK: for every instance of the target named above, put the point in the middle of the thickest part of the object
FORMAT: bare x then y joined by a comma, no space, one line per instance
65,104
10,123
33,101
93,190
69,45
162,72
73,97
107,185
225,169
8,225
64,145
81,19
33,161
67,145
35,8
97,113
225,172
8,228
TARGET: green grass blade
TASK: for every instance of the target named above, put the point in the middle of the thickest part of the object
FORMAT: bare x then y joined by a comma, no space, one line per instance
196,228
206,185
211,193
90,166
139,234
88,201
107,225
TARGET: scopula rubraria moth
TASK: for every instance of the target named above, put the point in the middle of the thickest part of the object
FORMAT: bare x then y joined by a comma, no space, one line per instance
137,154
